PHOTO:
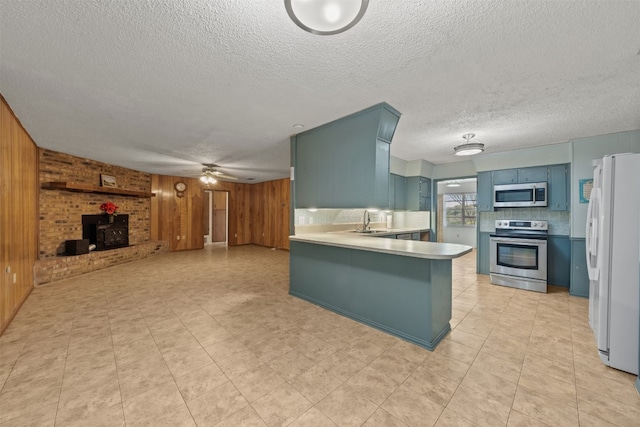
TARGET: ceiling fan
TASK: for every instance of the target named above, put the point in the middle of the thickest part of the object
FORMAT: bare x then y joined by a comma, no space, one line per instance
211,174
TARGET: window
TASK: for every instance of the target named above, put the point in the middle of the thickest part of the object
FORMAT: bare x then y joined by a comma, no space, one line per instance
460,210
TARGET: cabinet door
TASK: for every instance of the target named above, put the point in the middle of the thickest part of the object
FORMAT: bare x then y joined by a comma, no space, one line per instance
425,194
506,176
536,174
483,255
558,260
401,192
413,193
559,188
418,193
579,277
485,192
392,191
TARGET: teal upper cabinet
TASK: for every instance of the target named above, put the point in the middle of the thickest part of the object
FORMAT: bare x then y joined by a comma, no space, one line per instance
392,191
520,176
506,176
397,190
557,177
345,163
536,174
400,192
418,193
485,192
559,188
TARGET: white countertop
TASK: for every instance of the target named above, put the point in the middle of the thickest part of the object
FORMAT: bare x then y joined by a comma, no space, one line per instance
368,242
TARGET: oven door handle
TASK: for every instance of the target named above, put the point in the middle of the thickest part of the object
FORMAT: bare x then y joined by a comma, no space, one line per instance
517,240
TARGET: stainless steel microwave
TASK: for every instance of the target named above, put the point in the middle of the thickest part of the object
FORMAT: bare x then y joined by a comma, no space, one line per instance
520,195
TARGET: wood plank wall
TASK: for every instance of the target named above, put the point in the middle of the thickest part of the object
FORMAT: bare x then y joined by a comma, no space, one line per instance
177,219
258,213
270,203
18,213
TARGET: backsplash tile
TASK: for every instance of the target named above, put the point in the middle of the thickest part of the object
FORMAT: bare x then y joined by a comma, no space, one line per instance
322,220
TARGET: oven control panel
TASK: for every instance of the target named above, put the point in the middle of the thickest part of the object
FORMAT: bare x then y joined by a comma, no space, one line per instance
512,224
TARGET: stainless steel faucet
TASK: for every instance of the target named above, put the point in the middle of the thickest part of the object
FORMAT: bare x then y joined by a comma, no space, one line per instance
366,220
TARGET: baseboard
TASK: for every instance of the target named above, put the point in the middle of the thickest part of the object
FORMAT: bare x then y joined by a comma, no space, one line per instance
14,312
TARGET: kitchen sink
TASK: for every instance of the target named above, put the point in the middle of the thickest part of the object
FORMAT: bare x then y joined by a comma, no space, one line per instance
368,231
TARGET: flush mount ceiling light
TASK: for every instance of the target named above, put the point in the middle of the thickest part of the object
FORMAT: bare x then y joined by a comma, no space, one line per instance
326,17
453,184
469,148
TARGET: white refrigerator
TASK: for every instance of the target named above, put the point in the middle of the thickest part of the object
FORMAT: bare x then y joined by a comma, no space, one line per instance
612,259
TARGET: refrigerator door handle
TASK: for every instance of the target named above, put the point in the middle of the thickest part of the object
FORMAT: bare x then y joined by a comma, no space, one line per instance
592,236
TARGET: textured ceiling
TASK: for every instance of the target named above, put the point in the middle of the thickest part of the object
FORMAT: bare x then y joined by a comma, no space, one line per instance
163,85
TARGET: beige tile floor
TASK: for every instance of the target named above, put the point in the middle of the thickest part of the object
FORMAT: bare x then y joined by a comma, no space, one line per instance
212,338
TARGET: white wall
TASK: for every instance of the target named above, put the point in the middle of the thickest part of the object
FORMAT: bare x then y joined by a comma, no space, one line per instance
398,166
584,151
526,157
454,170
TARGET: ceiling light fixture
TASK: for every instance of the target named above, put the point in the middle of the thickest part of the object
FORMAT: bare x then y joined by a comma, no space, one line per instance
453,184
326,17
208,176
469,148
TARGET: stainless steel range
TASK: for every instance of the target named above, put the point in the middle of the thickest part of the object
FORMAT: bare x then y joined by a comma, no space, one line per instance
519,254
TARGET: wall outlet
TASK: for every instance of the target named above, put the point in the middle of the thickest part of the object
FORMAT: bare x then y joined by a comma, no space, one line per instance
178,237
184,237
301,220
236,235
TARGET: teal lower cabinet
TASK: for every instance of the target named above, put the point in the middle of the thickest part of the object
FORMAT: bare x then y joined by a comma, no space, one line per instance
483,253
405,296
579,277
559,261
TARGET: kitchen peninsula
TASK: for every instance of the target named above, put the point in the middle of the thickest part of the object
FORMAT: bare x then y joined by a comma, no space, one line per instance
402,287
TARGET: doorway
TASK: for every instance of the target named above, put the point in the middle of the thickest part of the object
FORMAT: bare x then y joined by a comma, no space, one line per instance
216,218
456,212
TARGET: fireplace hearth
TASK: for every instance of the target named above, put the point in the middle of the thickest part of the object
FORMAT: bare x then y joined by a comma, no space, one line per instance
105,232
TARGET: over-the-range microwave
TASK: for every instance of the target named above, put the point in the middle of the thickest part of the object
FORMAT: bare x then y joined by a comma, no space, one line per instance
520,195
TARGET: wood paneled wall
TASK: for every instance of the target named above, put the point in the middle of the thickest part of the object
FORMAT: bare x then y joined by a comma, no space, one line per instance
270,203
258,213
18,213
177,219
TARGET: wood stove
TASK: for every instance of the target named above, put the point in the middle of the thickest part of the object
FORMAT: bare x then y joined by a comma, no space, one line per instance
106,231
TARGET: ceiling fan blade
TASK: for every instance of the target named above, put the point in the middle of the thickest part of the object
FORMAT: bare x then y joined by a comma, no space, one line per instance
224,176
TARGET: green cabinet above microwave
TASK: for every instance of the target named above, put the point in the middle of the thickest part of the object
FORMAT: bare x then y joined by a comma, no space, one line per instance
556,177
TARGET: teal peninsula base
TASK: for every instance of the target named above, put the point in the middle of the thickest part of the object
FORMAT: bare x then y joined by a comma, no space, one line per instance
406,296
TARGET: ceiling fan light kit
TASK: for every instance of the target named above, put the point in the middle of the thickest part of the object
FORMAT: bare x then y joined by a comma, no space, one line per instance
469,148
326,17
211,175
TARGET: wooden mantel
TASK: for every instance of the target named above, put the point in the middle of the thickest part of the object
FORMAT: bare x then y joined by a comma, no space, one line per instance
85,188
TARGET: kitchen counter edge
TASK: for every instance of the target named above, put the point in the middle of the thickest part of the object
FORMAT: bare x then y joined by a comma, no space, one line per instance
411,248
